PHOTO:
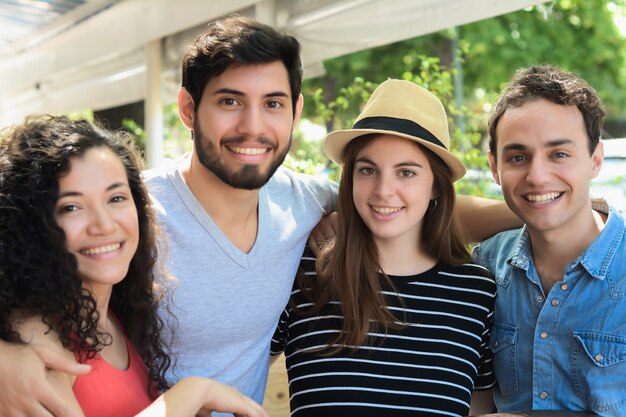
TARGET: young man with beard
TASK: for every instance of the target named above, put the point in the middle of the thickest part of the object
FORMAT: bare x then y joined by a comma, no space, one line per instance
559,335
236,222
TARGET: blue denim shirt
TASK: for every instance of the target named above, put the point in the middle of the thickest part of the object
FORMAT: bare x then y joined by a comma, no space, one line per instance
565,349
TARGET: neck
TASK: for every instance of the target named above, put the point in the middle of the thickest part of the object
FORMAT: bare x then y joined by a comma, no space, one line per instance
102,295
403,258
553,250
234,210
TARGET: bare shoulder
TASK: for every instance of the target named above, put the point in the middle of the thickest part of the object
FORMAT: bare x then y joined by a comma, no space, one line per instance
34,331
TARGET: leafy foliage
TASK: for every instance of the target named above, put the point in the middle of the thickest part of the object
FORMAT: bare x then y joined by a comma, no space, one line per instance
467,67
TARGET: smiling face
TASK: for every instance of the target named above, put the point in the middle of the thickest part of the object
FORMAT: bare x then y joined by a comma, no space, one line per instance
544,166
392,186
96,211
242,128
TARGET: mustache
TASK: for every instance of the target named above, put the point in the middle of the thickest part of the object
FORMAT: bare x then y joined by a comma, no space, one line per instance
238,140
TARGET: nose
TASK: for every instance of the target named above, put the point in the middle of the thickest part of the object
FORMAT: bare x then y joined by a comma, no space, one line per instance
384,185
538,172
252,123
101,222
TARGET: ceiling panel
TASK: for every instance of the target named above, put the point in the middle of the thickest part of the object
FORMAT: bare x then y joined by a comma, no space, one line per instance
26,23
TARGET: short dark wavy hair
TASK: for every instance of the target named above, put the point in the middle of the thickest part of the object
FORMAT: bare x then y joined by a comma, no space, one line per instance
238,40
38,275
557,86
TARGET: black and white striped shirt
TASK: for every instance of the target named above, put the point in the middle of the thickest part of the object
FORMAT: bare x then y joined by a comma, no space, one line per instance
428,368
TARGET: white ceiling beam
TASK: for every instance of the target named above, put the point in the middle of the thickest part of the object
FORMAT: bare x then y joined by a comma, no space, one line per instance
323,34
100,63
126,26
63,23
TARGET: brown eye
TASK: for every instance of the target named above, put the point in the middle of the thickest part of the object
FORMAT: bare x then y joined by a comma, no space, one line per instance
366,171
68,208
118,199
229,101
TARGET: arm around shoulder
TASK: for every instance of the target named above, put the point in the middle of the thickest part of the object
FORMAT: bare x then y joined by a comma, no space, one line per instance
484,217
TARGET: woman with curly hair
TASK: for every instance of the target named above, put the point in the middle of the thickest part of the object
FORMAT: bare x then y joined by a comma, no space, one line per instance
78,250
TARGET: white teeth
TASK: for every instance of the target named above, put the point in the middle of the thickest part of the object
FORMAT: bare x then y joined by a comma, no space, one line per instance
102,249
249,151
385,210
542,198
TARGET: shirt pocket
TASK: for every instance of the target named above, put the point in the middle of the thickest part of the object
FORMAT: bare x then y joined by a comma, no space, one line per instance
503,344
599,370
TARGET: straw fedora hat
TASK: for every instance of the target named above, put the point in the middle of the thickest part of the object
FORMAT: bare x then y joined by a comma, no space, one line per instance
401,108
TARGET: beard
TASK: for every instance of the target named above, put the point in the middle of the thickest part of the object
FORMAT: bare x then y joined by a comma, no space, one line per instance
249,176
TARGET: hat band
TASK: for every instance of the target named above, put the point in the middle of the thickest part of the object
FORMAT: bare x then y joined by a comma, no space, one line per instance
403,126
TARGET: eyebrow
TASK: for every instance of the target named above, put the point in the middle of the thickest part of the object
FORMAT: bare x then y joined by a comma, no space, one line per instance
111,187
401,164
549,144
242,94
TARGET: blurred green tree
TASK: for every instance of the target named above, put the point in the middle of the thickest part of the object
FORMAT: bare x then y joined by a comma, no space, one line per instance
467,67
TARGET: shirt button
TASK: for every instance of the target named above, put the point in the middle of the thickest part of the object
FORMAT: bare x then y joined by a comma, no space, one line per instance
564,287
599,357
555,302
543,395
544,335
540,298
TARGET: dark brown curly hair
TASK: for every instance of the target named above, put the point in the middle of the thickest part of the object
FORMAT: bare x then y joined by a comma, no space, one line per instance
557,86
38,275
234,41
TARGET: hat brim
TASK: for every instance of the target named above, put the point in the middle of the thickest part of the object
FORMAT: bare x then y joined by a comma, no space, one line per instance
335,142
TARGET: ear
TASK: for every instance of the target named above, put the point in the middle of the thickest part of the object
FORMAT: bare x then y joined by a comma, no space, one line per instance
597,157
186,110
298,110
434,193
493,165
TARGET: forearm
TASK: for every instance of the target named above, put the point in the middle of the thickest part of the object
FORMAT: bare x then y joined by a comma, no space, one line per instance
183,399
482,402
484,217
194,395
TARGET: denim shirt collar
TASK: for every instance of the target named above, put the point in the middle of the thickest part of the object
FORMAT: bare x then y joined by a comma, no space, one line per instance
596,259
521,254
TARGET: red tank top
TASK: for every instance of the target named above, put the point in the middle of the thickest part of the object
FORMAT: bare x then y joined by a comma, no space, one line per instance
107,391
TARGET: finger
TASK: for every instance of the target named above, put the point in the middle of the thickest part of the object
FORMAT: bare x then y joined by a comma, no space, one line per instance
54,407
324,232
254,408
331,225
58,362
50,403
238,404
312,242
327,227
30,410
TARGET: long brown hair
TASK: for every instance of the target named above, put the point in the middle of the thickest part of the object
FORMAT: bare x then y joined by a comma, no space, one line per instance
348,268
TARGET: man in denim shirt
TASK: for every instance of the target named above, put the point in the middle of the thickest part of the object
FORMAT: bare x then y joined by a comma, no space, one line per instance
559,335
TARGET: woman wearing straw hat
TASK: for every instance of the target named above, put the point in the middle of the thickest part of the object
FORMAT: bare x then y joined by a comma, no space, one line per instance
392,319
